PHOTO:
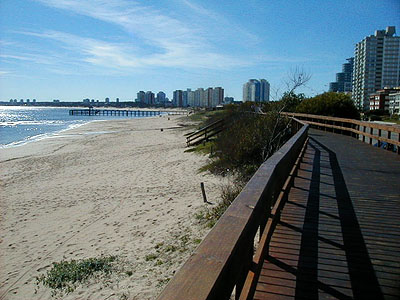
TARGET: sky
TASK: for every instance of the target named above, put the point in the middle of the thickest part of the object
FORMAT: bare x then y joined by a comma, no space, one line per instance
76,49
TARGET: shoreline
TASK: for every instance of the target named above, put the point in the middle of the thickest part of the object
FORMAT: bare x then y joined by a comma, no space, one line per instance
56,133
129,191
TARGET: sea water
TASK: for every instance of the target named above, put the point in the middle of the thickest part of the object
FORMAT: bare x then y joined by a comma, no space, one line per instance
19,125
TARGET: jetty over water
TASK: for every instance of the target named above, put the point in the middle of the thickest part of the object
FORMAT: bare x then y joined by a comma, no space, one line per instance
121,112
327,210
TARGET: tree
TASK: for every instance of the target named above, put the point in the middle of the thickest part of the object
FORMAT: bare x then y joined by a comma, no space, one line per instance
330,104
291,100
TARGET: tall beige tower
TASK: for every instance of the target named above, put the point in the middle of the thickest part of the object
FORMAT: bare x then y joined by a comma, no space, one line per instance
376,65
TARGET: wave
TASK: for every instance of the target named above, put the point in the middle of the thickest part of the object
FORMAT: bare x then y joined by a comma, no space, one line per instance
42,136
30,123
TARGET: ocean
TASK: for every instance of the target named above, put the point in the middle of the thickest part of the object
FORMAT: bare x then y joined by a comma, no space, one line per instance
20,125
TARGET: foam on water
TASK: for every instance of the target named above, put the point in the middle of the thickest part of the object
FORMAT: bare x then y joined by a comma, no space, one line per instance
21,125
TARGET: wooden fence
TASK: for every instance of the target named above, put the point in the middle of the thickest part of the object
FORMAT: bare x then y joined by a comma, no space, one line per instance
369,132
205,133
225,260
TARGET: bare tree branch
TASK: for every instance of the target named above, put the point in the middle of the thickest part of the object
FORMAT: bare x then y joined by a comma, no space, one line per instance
296,78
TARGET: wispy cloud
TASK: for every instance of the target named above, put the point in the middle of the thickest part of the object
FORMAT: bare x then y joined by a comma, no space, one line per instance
3,73
124,56
156,38
229,27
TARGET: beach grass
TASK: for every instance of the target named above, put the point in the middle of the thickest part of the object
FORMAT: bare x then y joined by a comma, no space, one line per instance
65,276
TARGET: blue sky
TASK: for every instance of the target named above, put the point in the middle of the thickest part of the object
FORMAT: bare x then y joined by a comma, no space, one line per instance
74,49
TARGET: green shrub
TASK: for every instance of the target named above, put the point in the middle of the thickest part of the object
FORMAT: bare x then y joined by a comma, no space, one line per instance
65,275
247,142
330,104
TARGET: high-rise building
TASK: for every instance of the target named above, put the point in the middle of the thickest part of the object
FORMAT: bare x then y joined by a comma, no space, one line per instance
264,90
256,90
149,98
376,65
218,96
185,97
161,98
343,81
190,97
177,99
208,97
141,97
199,97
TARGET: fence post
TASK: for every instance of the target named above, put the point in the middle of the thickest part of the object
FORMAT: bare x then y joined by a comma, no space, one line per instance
398,147
371,131
379,134
364,128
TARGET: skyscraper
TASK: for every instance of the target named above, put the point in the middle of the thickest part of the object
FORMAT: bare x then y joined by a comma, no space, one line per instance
264,90
141,97
190,97
208,97
149,98
161,97
256,90
177,99
376,65
199,97
343,81
218,96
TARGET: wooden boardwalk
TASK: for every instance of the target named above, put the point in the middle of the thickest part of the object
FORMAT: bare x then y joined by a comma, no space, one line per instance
339,233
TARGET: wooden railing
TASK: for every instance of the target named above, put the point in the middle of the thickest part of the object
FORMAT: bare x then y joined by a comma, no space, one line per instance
205,133
369,132
224,261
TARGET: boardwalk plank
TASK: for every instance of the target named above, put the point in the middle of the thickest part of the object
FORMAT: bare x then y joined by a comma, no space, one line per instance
339,233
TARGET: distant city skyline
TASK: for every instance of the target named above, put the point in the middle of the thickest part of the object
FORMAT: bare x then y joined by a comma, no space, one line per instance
76,49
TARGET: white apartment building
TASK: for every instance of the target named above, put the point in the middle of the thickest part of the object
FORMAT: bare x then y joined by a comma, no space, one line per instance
394,103
376,65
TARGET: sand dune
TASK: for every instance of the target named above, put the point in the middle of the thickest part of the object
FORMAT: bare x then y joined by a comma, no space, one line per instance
121,188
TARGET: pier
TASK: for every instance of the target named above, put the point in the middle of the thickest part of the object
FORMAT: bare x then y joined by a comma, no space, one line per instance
120,112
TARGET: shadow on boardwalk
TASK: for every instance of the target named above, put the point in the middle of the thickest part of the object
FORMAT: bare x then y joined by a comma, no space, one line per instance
339,235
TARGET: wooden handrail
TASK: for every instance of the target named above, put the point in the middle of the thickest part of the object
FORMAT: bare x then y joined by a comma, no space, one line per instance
263,246
223,259
353,127
205,133
388,127
203,128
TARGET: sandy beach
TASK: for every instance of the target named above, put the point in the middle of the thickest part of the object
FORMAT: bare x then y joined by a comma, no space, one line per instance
122,188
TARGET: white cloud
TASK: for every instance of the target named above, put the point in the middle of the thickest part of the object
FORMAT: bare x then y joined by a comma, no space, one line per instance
2,72
154,39
157,39
228,27
125,56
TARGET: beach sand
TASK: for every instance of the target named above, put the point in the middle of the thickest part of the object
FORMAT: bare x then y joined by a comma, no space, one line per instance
122,188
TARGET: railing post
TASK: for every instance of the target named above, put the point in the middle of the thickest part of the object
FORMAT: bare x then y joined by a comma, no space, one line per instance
248,258
364,128
379,134
398,147
371,131
358,129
